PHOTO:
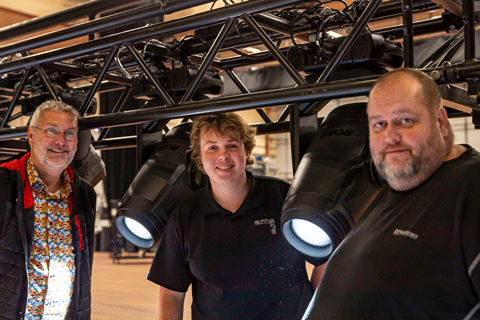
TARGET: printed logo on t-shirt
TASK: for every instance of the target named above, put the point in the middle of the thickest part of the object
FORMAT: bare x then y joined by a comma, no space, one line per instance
270,222
405,233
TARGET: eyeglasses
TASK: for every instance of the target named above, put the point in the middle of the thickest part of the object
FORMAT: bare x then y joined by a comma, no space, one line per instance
53,133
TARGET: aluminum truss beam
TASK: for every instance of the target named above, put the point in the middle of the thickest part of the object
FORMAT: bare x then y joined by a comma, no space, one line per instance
113,21
87,10
253,13
299,94
148,32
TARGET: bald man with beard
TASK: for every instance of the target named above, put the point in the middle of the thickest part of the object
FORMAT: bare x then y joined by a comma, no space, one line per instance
415,252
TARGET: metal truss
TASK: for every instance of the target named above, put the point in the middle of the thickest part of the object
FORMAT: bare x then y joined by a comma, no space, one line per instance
142,61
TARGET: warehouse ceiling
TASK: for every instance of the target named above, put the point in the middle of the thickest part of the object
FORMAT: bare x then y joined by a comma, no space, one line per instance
38,8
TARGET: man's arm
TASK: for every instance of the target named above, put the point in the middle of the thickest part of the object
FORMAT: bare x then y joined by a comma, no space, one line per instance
170,305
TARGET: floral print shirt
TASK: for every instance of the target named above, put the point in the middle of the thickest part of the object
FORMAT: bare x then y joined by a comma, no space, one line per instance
51,267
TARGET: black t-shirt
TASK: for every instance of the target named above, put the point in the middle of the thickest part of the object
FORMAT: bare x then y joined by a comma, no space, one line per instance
413,254
239,264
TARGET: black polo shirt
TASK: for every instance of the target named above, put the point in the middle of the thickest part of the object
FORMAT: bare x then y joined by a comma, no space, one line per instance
413,254
239,264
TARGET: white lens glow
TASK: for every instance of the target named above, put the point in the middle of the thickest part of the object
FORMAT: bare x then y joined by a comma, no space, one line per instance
137,229
310,233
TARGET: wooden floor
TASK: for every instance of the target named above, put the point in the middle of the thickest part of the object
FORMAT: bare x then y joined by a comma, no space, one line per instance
121,290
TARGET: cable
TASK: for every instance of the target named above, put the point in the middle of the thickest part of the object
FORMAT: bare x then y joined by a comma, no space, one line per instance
124,71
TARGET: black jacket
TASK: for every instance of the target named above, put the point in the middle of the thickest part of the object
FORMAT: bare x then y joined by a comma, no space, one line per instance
16,230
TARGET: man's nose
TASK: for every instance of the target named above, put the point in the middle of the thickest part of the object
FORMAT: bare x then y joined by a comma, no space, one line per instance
392,134
61,138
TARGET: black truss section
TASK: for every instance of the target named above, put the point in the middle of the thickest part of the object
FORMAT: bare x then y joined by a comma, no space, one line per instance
175,73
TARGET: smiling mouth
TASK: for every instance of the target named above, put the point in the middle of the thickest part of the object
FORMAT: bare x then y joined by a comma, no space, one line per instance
225,167
58,151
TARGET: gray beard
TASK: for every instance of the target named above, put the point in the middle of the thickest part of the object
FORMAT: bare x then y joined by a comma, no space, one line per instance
417,169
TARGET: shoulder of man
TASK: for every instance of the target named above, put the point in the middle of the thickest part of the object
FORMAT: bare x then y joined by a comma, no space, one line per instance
14,163
469,160
11,183
11,169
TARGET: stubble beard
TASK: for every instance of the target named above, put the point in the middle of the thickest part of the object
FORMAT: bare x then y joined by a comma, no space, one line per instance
43,156
415,170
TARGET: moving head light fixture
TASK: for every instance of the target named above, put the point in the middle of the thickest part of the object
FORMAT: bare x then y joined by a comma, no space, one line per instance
369,51
166,177
87,162
333,185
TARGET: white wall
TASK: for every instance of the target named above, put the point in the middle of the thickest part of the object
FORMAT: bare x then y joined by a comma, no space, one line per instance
465,132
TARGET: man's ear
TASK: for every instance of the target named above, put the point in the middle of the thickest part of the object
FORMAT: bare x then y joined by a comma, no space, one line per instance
30,135
442,120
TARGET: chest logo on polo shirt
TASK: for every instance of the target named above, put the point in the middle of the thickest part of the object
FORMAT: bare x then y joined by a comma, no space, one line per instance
270,222
405,233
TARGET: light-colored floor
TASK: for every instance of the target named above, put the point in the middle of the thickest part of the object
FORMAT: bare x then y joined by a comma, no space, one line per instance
121,290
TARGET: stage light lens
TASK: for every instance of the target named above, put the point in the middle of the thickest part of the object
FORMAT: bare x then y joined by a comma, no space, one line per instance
137,229
310,233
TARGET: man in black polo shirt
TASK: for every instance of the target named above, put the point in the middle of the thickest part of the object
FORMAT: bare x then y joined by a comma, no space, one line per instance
225,240
415,252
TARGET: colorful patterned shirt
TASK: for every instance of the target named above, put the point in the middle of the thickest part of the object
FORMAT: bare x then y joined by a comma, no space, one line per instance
51,267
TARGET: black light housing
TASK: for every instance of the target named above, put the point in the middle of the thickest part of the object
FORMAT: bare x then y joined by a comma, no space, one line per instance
166,177
333,185
87,162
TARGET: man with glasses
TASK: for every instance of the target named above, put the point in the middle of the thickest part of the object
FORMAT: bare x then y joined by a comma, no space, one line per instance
47,216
